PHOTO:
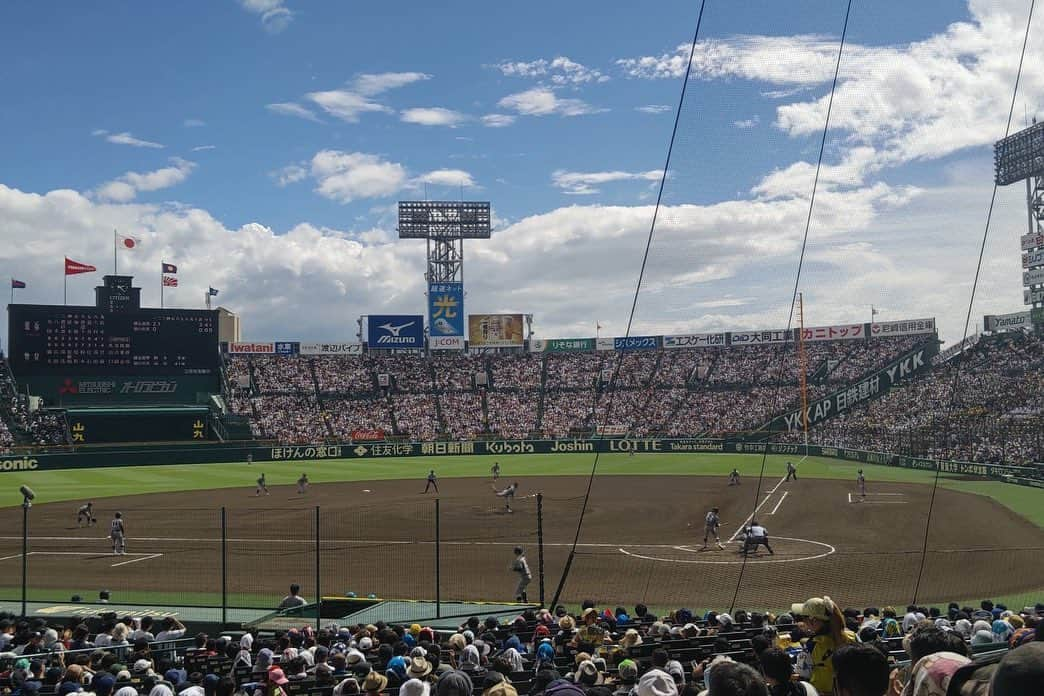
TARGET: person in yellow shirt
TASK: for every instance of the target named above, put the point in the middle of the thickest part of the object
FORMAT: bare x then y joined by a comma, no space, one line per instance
822,619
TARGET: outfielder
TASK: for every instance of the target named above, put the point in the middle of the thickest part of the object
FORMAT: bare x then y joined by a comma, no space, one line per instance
495,470
508,494
432,482
861,484
710,528
791,472
521,567
261,485
85,515
734,477
116,533
302,484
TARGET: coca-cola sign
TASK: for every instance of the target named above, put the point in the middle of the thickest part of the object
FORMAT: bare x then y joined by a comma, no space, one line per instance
367,435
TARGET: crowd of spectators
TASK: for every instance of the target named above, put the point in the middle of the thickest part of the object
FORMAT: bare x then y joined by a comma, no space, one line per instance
986,406
682,392
817,647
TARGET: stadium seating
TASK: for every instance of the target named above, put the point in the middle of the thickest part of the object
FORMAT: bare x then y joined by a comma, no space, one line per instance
594,652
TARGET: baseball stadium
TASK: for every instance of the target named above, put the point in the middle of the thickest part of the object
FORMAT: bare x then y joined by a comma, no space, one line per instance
437,501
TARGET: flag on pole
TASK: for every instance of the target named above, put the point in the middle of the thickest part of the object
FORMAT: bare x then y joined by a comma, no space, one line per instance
75,267
168,268
212,292
17,284
170,282
127,242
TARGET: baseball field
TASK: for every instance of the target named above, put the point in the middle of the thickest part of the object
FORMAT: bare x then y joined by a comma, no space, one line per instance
198,532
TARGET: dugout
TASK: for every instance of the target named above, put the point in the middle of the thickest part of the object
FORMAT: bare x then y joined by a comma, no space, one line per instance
158,423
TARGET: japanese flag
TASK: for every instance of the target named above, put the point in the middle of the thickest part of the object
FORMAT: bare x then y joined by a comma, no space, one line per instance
127,242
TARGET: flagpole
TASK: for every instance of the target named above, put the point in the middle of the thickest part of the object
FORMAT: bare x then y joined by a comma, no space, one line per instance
115,266
161,289
65,283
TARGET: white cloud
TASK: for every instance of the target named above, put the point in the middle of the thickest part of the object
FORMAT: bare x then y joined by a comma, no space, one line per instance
433,116
275,16
126,187
290,174
292,109
747,123
541,101
99,131
201,148
584,183
497,120
372,84
653,108
447,177
348,176
560,71
350,102
193,123
125,138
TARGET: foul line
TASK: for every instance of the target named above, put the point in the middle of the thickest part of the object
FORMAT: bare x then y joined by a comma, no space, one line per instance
135,560
785,494
97,554
751,515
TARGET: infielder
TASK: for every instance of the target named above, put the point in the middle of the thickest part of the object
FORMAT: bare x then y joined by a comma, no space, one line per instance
261,485
432,482
508,494
710,528
756,536
495,470
85,515
521,567
302,484
734,477
116,533
861,484
791,472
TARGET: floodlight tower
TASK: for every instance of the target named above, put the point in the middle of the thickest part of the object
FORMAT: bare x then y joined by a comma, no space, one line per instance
1016,158
445,225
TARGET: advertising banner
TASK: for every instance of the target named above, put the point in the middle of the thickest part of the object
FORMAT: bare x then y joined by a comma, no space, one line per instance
755,338
1032,241
1006,322
495,330
1033,259
268,348
446,342
1034,277
866,389
446,310
636,343
906,327
605,344
561,345
331,349
706,340
287,347
834,333
367,435
395,331
1032,296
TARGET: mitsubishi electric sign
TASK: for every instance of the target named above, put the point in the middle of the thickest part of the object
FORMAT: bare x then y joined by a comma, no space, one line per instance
387,331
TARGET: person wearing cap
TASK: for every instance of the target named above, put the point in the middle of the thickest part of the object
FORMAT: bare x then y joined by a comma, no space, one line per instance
116,534
433,482
756,536
591,634
627,677
711,523
656,682
734,477
823,620
521,567
277,682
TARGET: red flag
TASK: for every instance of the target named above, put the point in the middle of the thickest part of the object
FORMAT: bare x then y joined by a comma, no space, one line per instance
128,242
75,267
170,282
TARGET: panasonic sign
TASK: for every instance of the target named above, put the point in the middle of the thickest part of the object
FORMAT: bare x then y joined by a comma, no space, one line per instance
22,464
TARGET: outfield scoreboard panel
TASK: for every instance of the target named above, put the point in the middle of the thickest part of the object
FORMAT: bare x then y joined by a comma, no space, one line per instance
50,340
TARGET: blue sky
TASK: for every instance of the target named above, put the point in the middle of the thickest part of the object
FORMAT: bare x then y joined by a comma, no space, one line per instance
262,144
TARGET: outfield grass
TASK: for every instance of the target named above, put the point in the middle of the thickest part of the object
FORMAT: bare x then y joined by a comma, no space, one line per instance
83,484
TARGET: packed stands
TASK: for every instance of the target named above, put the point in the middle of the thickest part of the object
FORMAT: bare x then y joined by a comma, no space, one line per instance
594,652
679,392
997,415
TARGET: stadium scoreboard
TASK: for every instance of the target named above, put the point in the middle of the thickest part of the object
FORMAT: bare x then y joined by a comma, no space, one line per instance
112,338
